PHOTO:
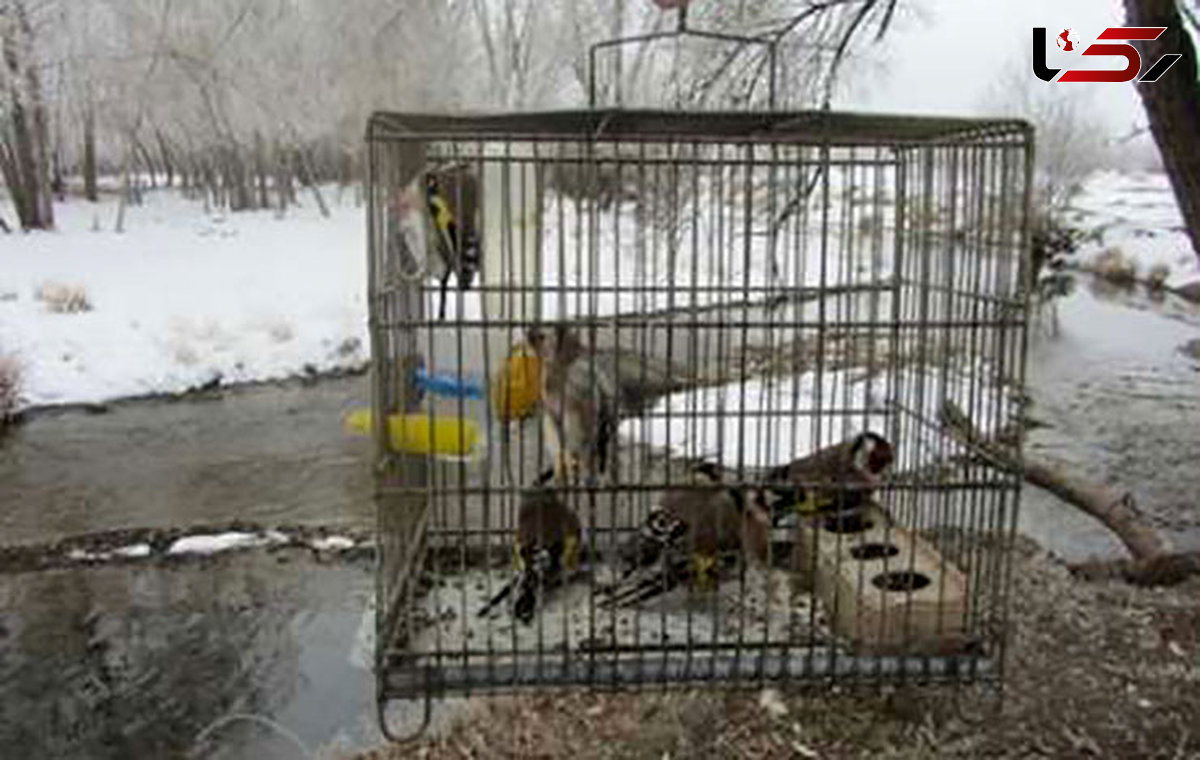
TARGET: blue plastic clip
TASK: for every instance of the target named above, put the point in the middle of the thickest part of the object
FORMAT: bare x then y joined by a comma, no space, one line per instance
447,385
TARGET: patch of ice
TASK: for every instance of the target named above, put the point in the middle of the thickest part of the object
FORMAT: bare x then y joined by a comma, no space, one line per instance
133,551
79,555
212,544
333,544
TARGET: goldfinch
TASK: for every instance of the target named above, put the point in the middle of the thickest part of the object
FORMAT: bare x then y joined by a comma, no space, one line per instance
546,549
579,405
452,198
838,478
695,531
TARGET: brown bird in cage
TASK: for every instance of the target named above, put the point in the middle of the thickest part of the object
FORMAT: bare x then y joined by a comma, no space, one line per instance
696,531
579,405
546,549
838,478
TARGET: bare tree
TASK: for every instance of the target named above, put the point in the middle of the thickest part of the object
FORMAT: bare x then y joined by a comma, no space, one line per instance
1071,144
25,133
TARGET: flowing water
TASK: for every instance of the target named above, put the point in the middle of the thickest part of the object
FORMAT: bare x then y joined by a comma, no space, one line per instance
1120,403
268,454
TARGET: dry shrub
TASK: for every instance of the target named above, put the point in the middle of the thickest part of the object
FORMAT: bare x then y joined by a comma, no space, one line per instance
10,388
63,298
1156,278
1115,267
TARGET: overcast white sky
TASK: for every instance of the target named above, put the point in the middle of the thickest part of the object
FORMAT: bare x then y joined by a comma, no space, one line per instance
941,58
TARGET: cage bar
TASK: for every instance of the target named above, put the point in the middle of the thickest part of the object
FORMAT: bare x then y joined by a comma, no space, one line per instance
745,289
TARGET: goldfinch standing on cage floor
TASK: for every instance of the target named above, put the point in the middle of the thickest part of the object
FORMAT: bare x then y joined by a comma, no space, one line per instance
694,532
579,406
838,478
546,550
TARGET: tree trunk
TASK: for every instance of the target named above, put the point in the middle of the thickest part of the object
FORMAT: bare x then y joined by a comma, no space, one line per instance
260,171
41,151
167,162
143,155
90,190
307,169
1173,104
22,182
26,162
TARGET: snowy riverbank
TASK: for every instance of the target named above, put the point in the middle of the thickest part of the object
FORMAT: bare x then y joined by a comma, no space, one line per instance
182,298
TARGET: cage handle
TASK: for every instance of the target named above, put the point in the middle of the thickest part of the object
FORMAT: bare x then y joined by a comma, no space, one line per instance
681,30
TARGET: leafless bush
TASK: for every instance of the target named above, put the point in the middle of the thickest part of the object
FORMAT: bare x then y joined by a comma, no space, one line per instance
1156,278
63,298
10,388
1115,267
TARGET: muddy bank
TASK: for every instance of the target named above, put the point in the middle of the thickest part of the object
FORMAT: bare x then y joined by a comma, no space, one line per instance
180,545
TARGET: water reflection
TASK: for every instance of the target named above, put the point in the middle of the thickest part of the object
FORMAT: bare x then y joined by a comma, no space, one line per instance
129,661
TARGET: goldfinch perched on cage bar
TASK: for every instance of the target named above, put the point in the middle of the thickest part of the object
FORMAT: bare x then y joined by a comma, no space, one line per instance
452,196
546,549
579,405
838,478
695,531
439,215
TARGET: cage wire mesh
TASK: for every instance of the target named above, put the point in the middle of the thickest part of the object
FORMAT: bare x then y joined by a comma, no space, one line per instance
737,291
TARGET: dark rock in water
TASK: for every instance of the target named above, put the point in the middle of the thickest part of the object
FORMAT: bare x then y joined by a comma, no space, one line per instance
1191,349
1190,291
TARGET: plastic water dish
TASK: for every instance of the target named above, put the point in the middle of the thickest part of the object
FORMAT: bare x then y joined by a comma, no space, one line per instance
454,438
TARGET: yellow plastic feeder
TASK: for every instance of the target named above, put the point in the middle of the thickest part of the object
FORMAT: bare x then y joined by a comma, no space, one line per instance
516,388
417,433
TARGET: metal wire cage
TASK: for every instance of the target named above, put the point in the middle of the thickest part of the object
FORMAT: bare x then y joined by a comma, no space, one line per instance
749,289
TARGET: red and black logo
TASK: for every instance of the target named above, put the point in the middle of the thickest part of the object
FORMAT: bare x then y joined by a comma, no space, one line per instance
1067,42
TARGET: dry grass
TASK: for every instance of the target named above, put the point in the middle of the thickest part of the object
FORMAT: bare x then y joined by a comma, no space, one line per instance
1115,267
10,388
1156,278
1102,670
63,298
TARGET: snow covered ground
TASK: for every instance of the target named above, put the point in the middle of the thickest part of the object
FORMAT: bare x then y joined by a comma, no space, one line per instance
1135,213
182,298
765,421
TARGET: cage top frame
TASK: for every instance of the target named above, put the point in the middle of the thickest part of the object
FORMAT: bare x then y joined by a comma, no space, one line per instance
786,127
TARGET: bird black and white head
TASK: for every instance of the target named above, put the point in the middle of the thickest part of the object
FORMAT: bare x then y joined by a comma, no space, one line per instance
871,454
555,343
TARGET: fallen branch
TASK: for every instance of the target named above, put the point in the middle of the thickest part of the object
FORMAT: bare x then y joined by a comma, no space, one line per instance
1151,562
